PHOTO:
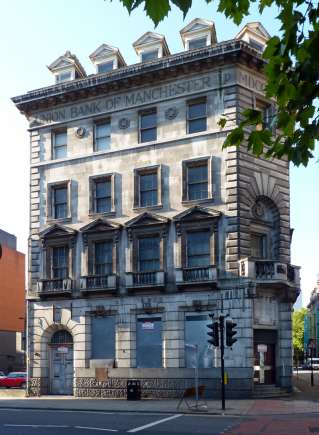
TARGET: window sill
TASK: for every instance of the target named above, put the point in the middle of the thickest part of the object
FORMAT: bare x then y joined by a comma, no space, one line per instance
60,220
187,202
111,213
149,207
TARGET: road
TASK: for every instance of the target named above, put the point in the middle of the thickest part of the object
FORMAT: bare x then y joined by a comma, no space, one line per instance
45,422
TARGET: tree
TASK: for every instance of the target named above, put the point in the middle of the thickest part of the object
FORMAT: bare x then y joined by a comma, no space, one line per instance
298,317
292,72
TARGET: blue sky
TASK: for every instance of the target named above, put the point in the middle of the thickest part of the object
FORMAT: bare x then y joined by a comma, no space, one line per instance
34,33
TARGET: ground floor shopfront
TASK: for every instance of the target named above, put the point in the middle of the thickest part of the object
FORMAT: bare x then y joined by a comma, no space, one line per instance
90,347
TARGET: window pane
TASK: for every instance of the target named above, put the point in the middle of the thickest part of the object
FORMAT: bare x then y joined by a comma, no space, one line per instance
148,135
197,174
196,333
149,254
105,67
197,125
197,110
60,152
62,77
148,120
148,181
103,258
148,198
60,138
60,262
103,337
197,191
149,55
197,43
103,205
198,249
149,342
103,188
60,202
103,130
258,245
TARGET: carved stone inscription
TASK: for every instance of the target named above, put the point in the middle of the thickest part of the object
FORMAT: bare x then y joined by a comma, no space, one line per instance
136,98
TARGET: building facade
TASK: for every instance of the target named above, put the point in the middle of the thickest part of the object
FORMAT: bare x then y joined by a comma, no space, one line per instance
311,323
12,306
141,224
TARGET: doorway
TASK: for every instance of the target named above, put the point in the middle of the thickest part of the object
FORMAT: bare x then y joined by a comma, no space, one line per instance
265,357
61,363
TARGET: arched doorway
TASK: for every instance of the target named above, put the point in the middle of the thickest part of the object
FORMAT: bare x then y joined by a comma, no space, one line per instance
61,363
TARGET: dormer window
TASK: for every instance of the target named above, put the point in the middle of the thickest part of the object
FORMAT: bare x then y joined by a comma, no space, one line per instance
66,68
198,34
107,58
149,55
197,43
255,35
104,67
151,46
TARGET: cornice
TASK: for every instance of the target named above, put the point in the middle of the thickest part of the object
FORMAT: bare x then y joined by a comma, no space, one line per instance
134,75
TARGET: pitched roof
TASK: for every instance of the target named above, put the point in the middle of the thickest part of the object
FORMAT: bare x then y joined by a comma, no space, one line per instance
67,60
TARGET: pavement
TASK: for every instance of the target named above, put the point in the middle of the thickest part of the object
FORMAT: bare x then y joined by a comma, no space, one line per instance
49,415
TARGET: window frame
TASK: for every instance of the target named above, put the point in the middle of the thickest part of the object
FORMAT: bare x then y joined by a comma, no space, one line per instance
263,238
110,62
92,201
141,113
51,198
264,107
97,123
197,38
194,231
67,265
193,102
54,133
200,161
144,237
147,52
138,172
94,262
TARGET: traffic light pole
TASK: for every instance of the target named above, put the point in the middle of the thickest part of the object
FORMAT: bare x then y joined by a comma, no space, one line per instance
222,366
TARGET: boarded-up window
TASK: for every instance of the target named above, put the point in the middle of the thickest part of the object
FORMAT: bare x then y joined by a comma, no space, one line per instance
149,342
196,334
103,337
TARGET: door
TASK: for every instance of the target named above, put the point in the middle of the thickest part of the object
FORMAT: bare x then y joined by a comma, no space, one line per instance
265,363
61,370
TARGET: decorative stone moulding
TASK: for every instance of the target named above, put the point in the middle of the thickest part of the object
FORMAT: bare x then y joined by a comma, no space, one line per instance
80,132
258,210
124,123
171,113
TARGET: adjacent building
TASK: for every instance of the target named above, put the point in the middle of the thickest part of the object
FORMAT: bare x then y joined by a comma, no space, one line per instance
141,224
311,323
12,304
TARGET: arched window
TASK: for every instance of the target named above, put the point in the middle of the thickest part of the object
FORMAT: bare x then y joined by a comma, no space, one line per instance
264,229
61,337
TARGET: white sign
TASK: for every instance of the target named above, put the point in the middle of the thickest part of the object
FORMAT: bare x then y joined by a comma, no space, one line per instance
262,348
148,325
63,349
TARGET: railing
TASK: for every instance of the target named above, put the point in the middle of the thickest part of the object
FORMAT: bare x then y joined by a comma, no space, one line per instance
265,269
98,282
55,285
195,275
191,274
144,278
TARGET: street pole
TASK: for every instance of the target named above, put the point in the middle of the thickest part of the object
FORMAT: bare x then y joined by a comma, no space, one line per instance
196,375
312,382
222,367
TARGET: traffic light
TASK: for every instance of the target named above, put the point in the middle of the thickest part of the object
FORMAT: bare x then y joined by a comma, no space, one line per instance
230,332
214,333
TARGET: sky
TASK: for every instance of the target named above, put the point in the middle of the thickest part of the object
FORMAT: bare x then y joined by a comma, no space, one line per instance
34,33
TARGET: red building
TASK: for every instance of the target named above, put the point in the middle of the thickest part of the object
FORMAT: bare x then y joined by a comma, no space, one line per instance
12,304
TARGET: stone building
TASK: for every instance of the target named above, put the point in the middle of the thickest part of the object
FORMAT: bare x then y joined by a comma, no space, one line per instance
141,224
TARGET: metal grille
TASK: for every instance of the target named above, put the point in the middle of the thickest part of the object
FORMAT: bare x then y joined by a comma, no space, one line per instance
61,337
